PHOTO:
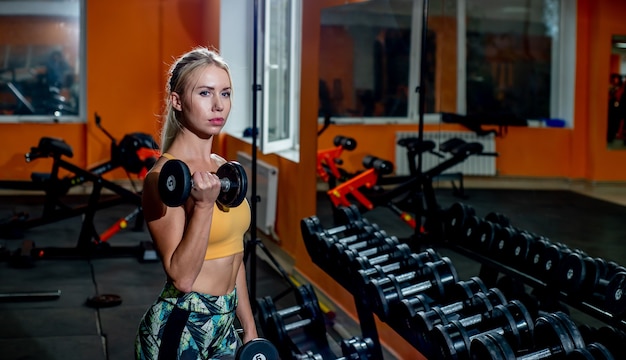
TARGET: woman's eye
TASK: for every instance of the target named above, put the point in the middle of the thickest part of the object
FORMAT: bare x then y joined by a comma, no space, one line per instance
204,93
226,94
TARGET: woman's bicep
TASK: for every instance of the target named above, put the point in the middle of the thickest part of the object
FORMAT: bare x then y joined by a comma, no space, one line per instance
166,225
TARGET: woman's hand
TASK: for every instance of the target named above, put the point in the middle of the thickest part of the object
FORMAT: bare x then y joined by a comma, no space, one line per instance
206,188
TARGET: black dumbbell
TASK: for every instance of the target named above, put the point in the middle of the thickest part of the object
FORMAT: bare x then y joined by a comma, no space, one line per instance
175,183
354,348
400,262
456,215
338,263
474,309
593,351
610,337
376,242
347,143
326,242
433,278
555,336
357,348
453,340
615,294
256,349
460,291
350,220
382,167
582,276
307,314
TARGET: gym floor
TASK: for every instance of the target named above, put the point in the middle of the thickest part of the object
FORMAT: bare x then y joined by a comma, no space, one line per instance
64,327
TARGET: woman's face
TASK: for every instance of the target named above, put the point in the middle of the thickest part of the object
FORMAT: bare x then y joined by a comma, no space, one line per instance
206,103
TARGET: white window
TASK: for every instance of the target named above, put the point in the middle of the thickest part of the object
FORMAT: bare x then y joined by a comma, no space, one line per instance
512,58
42,79
278,71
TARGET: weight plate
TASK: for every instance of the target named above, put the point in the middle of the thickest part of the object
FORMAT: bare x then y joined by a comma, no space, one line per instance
237,188
257,349
615,299
174,183
571,273
491,346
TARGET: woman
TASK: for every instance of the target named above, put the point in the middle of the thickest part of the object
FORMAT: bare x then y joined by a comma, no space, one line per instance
200,243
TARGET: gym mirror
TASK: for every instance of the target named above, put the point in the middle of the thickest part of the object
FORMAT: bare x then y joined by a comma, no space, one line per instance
616,122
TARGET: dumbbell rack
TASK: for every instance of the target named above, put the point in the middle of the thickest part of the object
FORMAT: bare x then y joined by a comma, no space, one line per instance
367,306
491,268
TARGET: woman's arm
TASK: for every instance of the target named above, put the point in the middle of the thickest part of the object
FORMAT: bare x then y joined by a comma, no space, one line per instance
181,246
244,309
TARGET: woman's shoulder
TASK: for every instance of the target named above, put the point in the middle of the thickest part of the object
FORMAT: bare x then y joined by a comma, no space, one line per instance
219,161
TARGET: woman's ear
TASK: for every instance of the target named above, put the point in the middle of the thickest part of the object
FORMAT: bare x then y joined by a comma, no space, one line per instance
177,103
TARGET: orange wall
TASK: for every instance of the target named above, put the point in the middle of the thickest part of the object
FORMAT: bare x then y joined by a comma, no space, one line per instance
131,43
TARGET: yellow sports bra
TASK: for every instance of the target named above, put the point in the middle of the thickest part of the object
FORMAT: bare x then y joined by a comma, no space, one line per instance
228,227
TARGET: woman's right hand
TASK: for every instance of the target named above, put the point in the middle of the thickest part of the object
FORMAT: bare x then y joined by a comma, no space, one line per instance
206,188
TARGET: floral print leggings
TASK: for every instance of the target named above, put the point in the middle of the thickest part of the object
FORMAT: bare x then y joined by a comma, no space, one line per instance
188,326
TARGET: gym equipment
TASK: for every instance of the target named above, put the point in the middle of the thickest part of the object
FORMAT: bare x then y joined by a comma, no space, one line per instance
376,167
176,182
402,257
309,319
479,305
587,278
257,349
454,340
555,337
349,220
328,159
433,278
134,154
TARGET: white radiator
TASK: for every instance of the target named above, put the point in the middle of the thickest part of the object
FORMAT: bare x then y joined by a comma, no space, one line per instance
266,191
473,165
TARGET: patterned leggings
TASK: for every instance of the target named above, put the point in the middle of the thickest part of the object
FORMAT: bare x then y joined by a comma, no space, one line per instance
188,326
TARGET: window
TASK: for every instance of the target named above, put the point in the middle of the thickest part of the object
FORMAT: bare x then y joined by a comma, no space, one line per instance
278,71
483,57
41,74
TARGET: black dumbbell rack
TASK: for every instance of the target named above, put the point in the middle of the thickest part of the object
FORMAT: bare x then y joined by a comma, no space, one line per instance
491,268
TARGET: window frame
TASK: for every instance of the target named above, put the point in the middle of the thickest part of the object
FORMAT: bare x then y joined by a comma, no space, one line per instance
57,8
562,69
236,45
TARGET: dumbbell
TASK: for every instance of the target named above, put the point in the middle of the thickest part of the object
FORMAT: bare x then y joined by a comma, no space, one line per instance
555,336
338,262
402,261
354,348
257,349
460,291
474,309
433,278
454,340
610,337
382,167
326,242
347,143
455,216
349,217
357,348
582,276
175,183
593,351
307,312
366,246
544,259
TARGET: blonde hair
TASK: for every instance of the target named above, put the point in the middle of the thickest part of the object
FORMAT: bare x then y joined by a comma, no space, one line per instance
179,76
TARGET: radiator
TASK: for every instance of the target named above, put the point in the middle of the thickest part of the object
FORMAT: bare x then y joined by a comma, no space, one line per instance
266,191
473,165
